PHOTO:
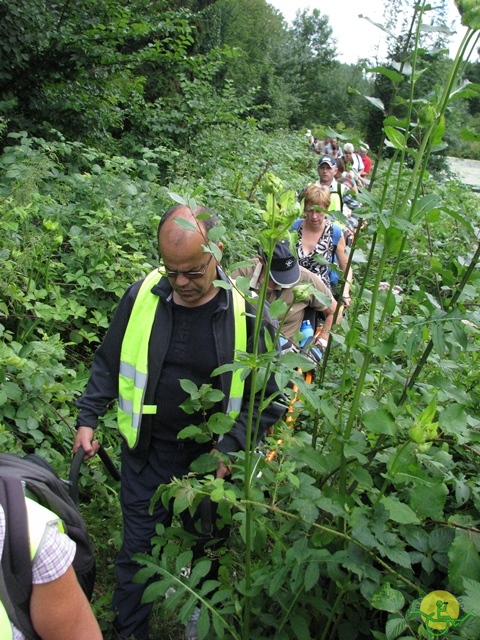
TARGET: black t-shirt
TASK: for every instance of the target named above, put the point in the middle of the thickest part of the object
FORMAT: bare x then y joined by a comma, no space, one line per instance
191,355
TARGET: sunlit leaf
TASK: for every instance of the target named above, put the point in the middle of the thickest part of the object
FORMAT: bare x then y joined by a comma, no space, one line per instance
177,198
376,102
388,599
465,91
471,136
437,135
396,138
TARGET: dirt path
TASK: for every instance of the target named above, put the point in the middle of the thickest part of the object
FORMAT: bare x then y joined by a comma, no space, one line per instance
468,171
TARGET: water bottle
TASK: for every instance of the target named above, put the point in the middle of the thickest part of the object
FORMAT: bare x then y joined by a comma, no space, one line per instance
307,331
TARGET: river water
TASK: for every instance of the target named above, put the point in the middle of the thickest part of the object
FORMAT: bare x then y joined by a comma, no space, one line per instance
467,171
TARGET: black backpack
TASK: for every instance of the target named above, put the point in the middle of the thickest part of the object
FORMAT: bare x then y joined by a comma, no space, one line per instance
34,477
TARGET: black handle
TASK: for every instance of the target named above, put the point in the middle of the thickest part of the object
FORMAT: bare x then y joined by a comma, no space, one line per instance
109,464
75,470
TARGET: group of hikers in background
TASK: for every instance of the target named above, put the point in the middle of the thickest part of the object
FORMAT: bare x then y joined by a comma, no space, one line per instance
353,166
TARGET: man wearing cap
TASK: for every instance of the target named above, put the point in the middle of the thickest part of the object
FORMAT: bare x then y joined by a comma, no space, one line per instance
285,273
340,200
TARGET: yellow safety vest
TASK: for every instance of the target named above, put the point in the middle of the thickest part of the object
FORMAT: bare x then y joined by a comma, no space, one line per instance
133,373
336,199
38,519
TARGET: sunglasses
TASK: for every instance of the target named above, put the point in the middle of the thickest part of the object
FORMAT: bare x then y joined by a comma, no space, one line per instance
191,275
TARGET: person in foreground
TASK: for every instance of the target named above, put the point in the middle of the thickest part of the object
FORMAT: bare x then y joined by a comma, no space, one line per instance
285,273
167,328
58,607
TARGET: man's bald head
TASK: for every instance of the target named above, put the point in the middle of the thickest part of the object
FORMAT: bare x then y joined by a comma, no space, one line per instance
175,232
186,253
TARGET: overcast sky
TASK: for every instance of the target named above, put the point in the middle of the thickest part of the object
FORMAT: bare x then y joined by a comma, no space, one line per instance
356,37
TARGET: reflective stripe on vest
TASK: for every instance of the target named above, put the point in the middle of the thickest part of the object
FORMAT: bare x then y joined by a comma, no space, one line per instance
133,374
238,383
38,519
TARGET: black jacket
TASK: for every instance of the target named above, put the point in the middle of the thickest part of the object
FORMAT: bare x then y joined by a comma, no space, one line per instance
102,387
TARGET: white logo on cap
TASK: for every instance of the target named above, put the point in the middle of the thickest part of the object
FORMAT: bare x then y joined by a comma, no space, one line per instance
288,262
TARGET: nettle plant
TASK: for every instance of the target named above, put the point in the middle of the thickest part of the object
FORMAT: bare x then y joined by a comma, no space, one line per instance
371,500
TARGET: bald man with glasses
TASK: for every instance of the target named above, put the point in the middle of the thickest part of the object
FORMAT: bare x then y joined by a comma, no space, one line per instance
175,324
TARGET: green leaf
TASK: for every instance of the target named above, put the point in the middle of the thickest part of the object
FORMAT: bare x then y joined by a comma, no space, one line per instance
399,556
203,623
379,421
428,501
220,423
131,189
204,464
424,205
351,338
396,138
470,602
399,512
297,361
312,575
177,198
278,309
393,75
188,225
470,136
464,561
189,387
438,337
300,627
437,135
453,421
277,581
376,102
394,627
388,599
466,222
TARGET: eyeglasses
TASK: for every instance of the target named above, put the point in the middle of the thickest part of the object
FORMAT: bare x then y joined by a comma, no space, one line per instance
191,275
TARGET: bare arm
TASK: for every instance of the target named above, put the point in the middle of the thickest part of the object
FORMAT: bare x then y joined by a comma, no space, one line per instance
328,315
59,610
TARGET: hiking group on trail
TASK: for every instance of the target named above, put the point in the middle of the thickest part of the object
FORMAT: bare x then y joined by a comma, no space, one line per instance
175,324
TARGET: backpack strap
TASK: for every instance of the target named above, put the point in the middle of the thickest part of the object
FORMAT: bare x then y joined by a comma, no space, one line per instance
336,235
16,565
340,194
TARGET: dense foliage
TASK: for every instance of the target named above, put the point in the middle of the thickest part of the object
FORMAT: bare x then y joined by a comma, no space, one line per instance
371,500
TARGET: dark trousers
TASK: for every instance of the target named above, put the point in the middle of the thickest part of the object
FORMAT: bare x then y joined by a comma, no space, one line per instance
164,462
